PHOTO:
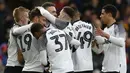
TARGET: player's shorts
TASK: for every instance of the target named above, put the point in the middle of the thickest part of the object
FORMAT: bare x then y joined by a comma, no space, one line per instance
11,69
30,72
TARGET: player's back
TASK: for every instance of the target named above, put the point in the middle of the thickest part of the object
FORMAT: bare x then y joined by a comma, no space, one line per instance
30,50
58,51
82,56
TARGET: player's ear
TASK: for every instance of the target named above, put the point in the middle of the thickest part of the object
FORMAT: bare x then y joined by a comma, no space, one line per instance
36,19
34,34
109,14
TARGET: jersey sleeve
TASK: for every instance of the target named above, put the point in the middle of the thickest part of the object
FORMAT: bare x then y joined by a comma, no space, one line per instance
13,28
99,39
22,29
117,41
43,43
72,41
43,57
42,49
60,24
98,48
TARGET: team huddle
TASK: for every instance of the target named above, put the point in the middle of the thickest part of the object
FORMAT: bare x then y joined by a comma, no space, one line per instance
64,43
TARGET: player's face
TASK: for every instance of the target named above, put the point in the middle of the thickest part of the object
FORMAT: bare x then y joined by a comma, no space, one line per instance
52,10
42,20
24,18
104,16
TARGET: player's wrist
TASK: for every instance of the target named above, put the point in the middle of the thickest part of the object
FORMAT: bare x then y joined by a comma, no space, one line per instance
106,35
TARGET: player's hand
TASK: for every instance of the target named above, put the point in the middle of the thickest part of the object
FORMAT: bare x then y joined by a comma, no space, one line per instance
44,29
41,9
100,32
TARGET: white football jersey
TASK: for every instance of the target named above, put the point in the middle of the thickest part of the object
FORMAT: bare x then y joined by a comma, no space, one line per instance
112,52
69,30
82,56
30,50
12,49
58,51
50,26
68,27
123,60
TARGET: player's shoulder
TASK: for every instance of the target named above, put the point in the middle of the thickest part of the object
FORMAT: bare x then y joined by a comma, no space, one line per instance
27,34
15,26
76,22
54,31
79,22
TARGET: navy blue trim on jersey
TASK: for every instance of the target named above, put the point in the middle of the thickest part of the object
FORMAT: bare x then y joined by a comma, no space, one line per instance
112,24
74,21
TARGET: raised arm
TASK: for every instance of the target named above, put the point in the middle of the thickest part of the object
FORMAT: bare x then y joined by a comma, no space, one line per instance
21,29
73,41
60,24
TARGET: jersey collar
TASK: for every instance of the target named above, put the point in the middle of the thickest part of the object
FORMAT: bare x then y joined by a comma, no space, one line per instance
111,24
74,21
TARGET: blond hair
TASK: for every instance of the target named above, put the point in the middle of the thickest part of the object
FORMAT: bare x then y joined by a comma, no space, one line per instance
17,13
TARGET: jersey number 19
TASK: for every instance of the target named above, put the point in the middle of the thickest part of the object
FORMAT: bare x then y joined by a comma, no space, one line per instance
27,39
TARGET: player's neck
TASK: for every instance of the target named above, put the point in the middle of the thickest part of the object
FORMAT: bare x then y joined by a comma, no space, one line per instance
110,22
67,19
75,19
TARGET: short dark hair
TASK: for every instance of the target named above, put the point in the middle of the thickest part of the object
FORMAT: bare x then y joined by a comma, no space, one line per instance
36,27
69,10
47,4
110,9
34,12
75,9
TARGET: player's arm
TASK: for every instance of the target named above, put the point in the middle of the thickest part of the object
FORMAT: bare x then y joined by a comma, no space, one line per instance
97,48
55,21
20,57
43,52
100,39
73,41
43,57
119,41
21,29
